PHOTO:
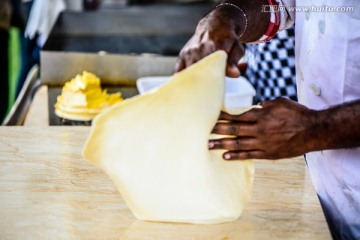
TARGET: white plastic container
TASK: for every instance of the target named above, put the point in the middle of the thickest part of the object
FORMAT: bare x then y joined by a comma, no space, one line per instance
239,92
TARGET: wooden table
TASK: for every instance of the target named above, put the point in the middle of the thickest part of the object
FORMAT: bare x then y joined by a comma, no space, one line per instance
38,114
48,192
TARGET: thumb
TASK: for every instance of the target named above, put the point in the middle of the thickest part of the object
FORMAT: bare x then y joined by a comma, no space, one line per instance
237,51
242,67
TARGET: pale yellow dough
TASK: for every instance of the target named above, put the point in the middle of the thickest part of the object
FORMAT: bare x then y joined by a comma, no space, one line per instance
155,148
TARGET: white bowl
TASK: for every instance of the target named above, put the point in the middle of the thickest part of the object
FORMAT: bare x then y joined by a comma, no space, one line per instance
238,91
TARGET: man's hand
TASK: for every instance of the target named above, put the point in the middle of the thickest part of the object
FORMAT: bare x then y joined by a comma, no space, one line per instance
280,129
214,32
221,29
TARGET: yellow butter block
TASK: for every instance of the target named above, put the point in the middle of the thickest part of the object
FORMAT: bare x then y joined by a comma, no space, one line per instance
82,98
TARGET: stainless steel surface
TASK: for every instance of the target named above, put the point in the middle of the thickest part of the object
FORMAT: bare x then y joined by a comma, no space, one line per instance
159,29
111,43
60,67
125,34
22,103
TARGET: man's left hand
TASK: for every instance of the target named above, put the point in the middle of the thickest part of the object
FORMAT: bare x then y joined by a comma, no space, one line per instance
282,128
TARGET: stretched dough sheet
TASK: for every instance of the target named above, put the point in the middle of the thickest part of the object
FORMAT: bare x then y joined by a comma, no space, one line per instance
155,148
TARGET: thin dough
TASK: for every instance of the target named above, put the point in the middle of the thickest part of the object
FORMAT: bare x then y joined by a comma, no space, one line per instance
155,148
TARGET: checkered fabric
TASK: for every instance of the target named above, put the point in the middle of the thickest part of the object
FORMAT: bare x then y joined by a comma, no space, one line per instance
271,66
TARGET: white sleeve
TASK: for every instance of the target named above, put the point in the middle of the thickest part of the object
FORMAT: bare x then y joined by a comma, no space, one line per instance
42,18
287,13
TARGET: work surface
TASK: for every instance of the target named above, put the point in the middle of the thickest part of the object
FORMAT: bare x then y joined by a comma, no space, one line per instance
47,191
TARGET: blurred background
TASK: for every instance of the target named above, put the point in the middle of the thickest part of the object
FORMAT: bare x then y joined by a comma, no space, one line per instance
25,27
45,43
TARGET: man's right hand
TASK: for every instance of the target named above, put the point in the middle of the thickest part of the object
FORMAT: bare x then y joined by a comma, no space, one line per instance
214,32
220,30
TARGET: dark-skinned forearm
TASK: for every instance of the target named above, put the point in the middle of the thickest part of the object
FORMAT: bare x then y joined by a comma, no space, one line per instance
336,127
257,20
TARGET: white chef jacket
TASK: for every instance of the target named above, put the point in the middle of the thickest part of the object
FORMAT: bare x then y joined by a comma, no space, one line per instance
328,73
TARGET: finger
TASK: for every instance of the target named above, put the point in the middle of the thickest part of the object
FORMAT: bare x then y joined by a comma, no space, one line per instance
249,116
227,116
233,144
244,155
236,52
191,57
225,43
209,48
180,65
235,129
242,67
232,71
194,55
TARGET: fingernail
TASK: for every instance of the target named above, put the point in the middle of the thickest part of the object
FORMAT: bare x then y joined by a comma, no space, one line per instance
227,156
211,145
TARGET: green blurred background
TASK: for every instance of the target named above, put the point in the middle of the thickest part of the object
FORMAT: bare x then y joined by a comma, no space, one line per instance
14,62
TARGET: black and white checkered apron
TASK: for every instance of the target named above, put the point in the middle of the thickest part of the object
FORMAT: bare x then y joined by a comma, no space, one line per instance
271,66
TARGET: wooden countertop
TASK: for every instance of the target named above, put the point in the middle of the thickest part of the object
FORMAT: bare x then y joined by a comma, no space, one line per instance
48,192
38,114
